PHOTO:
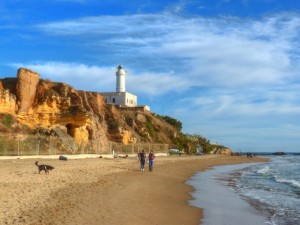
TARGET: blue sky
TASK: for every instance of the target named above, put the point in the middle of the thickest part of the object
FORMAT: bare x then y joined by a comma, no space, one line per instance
228,69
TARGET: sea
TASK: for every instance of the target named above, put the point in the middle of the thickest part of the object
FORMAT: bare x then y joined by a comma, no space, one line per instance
250,194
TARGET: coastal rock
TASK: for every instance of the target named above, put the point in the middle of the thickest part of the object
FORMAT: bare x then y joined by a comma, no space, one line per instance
26,88
141,118
7,101
222,151
36,105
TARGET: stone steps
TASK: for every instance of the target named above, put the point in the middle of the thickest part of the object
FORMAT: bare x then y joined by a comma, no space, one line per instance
67,140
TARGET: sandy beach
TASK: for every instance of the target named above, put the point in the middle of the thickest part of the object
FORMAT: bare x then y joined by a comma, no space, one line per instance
103,191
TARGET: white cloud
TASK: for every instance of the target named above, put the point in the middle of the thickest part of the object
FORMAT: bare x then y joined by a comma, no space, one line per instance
157,83
220,51
215,52
247,103
80,76
236,81
123,26
103,79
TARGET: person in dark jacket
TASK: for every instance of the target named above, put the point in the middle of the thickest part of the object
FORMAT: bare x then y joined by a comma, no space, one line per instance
151,157
142,158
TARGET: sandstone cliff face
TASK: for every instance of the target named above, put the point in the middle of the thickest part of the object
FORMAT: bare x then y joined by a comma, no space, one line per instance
222,151
51,106
43,104
95,107
7,102
225,151
26,88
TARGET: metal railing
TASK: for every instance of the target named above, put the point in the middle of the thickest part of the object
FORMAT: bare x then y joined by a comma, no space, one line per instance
20,145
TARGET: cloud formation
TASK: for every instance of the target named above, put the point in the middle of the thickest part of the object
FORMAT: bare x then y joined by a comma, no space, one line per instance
103,79
220,51
80,76
240,75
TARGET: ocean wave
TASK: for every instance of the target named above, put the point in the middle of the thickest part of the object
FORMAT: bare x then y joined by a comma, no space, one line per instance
264,171
293,183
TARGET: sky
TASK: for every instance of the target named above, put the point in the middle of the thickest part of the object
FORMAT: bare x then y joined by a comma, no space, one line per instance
229,70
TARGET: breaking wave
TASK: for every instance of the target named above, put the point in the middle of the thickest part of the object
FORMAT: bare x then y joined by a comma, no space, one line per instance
293,183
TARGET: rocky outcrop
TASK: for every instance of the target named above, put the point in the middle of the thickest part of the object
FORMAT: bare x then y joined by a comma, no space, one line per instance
26,88
225,151
57,108
7,102
127,136
222,151
68,141
46,105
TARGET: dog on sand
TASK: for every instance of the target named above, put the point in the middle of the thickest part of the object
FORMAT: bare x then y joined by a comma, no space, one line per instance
46,168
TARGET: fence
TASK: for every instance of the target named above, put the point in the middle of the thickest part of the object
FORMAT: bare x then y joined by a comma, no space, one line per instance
18,145
135,148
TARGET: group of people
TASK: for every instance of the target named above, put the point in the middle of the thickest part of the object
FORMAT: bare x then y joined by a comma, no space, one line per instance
142,158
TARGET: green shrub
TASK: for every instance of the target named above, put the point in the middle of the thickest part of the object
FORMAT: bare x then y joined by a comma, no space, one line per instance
150,128
143,135
175,123
148,118
49,93
112,125
129,121
7,120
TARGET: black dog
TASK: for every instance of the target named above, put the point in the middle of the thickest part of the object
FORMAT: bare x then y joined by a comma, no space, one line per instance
46,168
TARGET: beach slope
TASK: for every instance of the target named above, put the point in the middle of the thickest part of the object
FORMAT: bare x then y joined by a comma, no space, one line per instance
103,191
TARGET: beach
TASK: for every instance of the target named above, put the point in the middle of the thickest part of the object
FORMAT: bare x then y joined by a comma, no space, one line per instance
104,191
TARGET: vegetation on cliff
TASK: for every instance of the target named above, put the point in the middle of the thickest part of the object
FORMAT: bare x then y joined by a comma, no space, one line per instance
84,116
151,127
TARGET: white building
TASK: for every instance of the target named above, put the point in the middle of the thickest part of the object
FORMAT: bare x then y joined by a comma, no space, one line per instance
120,97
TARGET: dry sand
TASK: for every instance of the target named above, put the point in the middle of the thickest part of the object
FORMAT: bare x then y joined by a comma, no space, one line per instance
103,191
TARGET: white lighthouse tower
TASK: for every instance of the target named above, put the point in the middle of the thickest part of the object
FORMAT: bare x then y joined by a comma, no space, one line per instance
120,75
121,98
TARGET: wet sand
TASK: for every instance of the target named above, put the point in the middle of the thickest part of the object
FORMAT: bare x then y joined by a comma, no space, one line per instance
232,209
103,191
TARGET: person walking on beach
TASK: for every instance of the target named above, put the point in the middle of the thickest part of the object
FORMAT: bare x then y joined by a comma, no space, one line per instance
142,157
151,157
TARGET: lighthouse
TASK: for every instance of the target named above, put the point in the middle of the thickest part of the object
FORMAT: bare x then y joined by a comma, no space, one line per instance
121,98
120,76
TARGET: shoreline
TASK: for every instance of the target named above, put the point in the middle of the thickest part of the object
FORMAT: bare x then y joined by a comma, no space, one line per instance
104,191
232,209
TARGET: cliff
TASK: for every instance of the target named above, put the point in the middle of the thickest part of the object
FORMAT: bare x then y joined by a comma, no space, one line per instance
30,104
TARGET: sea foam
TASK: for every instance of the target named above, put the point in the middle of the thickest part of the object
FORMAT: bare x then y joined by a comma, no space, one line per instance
264,171
293,183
